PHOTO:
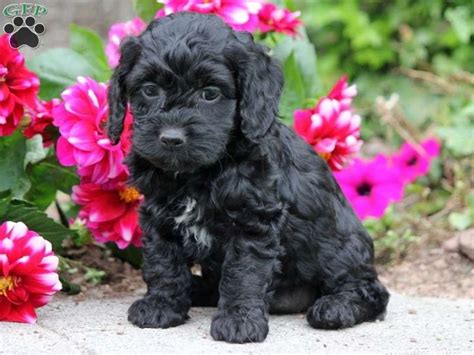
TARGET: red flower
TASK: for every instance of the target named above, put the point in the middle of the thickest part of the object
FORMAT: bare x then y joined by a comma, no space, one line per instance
28,277
42,121
81,118
272,18
110,212
331,127
414,163
18,87
9,121
370,186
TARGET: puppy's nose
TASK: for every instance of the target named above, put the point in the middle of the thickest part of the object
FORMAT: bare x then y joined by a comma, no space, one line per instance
172,138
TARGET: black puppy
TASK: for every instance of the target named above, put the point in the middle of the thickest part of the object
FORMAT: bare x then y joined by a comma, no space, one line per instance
229,187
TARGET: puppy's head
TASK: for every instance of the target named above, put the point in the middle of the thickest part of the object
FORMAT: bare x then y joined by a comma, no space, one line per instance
191,83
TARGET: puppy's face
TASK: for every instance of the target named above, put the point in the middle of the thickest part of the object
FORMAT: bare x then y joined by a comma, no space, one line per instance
184,108
184,79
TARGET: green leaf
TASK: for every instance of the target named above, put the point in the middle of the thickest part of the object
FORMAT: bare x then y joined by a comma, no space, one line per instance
459,221
59,68
290,5
458,139
38,221
47,178
94,276
305,56
294,91
5,198
69,288
35,151
461,21
12,172
89,44
146,9
131,254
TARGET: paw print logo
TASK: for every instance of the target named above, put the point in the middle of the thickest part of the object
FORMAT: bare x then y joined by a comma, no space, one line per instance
24,32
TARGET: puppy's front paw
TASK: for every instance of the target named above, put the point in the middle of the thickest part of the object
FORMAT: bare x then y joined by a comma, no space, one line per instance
242,327
146,313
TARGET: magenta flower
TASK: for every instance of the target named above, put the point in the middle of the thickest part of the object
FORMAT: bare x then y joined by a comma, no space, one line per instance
28,277
413,163
42,121
81,118
110,212
331,127
272,18
241,15
117,33
18,87
370,186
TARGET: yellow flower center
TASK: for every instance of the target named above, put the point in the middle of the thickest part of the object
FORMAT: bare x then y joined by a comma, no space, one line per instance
325,156
6,284
129,194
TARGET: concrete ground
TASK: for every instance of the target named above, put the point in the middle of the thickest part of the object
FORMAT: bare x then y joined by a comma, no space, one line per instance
67,326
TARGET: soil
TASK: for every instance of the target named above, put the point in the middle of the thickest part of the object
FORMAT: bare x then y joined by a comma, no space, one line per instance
431,273
423,272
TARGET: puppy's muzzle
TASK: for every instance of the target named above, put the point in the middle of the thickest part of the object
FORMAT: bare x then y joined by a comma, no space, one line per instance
172,138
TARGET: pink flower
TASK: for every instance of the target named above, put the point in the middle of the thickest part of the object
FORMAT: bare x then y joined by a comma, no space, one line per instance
110,212
331,127
28,277
42,121
343,93
413,163
370,186
272,18
241,15
84,143
18,87
117,33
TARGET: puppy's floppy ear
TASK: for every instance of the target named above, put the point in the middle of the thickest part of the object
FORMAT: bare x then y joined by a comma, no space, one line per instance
260,81
117,94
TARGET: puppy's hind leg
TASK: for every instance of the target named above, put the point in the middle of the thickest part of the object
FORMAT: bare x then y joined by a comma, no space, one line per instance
351,292
366,302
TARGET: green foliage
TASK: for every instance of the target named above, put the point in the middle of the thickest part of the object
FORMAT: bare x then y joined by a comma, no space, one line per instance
458,131
459,221
391,237
59,68
82,236
294,90
132,254
460,18
29,181
298,57
47,178
146,9
12,171
94,276
23,211
356,36
89,44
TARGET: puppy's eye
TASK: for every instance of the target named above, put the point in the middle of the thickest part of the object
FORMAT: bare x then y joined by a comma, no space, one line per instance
150,90
210,93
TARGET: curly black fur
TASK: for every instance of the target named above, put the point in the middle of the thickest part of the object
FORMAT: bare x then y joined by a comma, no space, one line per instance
243,196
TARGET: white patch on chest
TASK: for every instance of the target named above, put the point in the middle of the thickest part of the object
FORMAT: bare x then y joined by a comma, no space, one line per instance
188,225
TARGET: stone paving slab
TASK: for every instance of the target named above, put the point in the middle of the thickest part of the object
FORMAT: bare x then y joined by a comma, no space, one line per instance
97,326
